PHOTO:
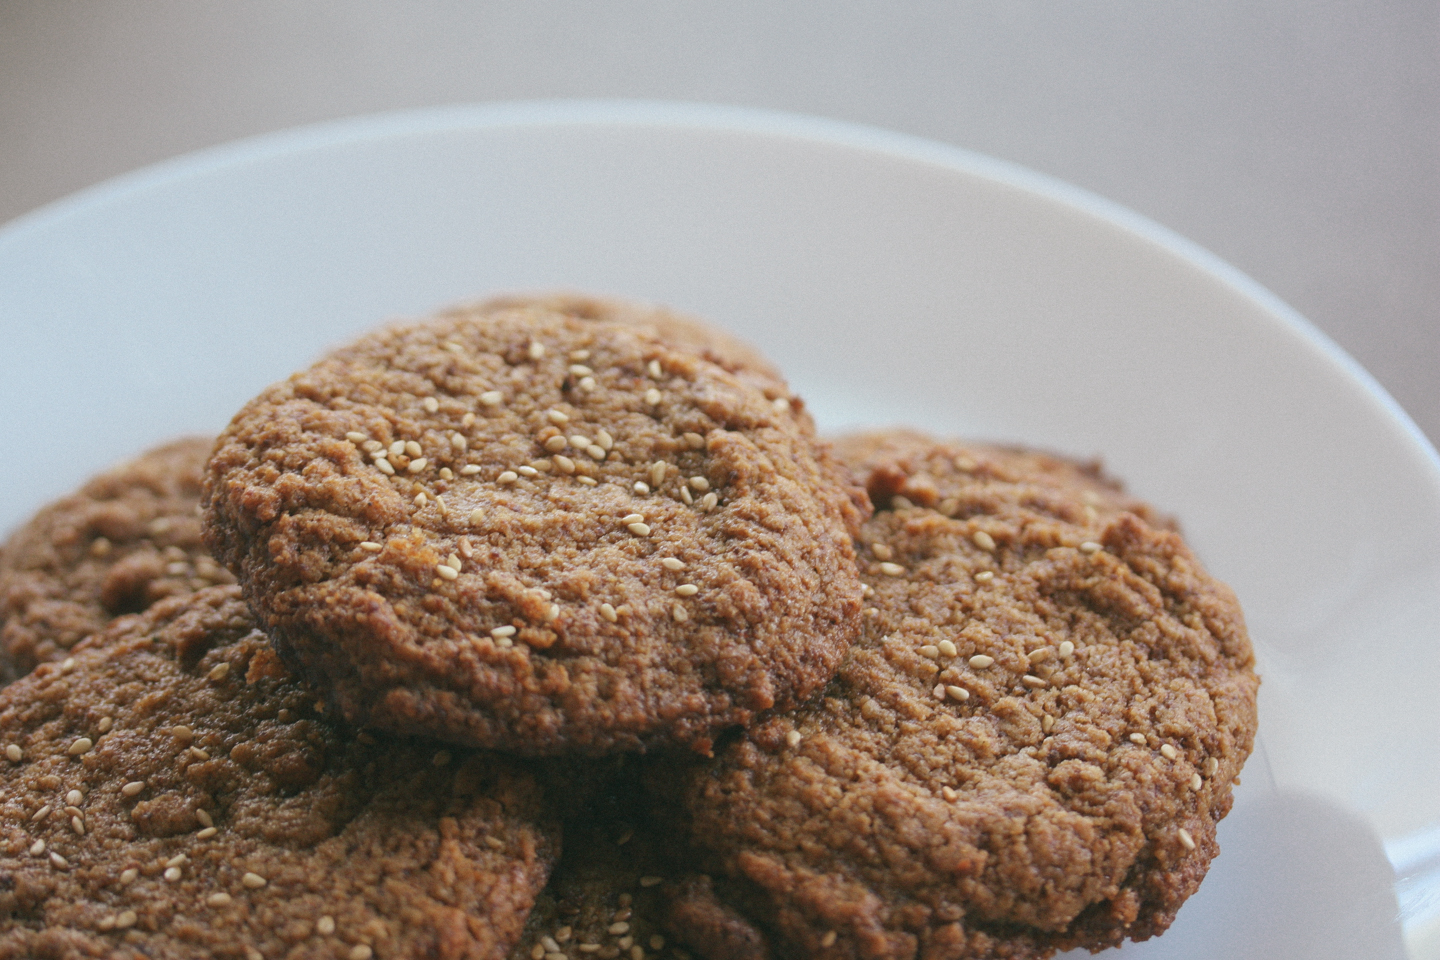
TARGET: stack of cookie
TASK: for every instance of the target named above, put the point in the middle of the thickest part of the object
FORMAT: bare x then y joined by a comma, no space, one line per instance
558,634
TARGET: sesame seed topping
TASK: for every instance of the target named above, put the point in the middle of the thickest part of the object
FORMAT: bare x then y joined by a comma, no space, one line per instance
204,817
608,612
829,939
641,487
564,464
639,529
947,648
595,451
536,350
182,733
125,920
1211,765
492,398
579,442
983,540
58,862
128,875
1047,723
325,925
618,928
509,476
585,481
459,442
421,499
939,691
505,631
980,661
37,849
199,754
418,464
132,788
957,693
654,369
555,444
218,671
207,833
686,496
363,951
687,590
81,746
397,448
881,551
587,384
74,798
891,569
652,396
430,404
172,874
528,472
355,437
793,738
604,440
384,466
580,370
930,650
1089,546
984,576
13,753
699,484
77,825
253,880
1168,752
42,813
1138,738
557,417
1067,649
679,613
657,473
1185,839
220,899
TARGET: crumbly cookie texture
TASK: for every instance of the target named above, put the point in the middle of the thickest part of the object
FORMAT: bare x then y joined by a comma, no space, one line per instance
171,792
538,532
127,538
1027,751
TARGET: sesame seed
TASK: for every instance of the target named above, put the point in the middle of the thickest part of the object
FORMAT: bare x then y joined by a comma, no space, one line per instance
77,825
939,691
829,939
74,811
68,663
639,529
37,849
207,833
1211,765
453,347
42,813
421,499
687,590
957,693
657,473
417,465
74,798
221,899
397,448
384,466
901,503
132,788
679,613
253,880
13,753
555,444
891,569
930,650
671,563
172,874
1138,738
1185,838
549,944
509,476
608,612
1168,752
653,367
362,951
325,925
700,484
430,404
204,817
477,515
505,631
1067,649
793,738
537,952
441,758
199,754
1047,723
980,661
686,496
537,350
126,876
218,671
652,396
983,540
618,928
492,398
1195,782
552,612
641,487
58,862
579,441
595,451
81,746
580,370
984,576
604,440
528,472
585,481
125,920
881,551
355,437
557,417
564,464
947,648
1089,546
950,793
587,384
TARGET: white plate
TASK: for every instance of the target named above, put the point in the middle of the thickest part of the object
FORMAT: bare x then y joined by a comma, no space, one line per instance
896,281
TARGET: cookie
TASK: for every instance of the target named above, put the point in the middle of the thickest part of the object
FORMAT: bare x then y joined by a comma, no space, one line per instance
170,791
1027,751
129,537
541,533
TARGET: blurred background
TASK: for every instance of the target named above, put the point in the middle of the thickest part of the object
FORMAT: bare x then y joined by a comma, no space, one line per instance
1298,140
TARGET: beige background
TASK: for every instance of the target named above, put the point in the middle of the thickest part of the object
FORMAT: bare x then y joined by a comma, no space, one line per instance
1298,139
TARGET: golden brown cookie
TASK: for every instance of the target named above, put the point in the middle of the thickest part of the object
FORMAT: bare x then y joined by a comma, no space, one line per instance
170,791
129,537
538,532
1027,751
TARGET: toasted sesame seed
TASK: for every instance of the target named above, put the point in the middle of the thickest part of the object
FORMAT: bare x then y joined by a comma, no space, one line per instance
700,484
1047,723
37,849
220,899
132,788
204,817
939,691
172,874
881,551
829,939
552,612
1067,649
891,569
686,496
1089,546
579,442
595,451
693,440
587,384
793,738
1168,752
930,650
679,612
639,529
1185,839
947,648
355,437
59,862
641,487
537,952
430,404
580,370
384,466
672,563
585,481
77,825
218,671
421,499
564,464
608,612
536,350
654,369
325,925
984,576
199,754
74,811
604,440
618,928
363,951
418,464
528,472
505,631
125,920
983,540
81,746
1211,765
492,398
253,880
509,476
1138,738
957,693
657,472
13,753
980,661
128,875
687,590
652,396
397,448
42,813
557,417
68,663
555,444
207,833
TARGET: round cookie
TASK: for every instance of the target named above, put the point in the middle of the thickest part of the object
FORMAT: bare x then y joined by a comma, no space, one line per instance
170,792
531,531
127,538
1027,751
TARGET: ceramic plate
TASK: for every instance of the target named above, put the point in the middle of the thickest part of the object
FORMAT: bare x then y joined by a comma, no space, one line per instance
895,281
